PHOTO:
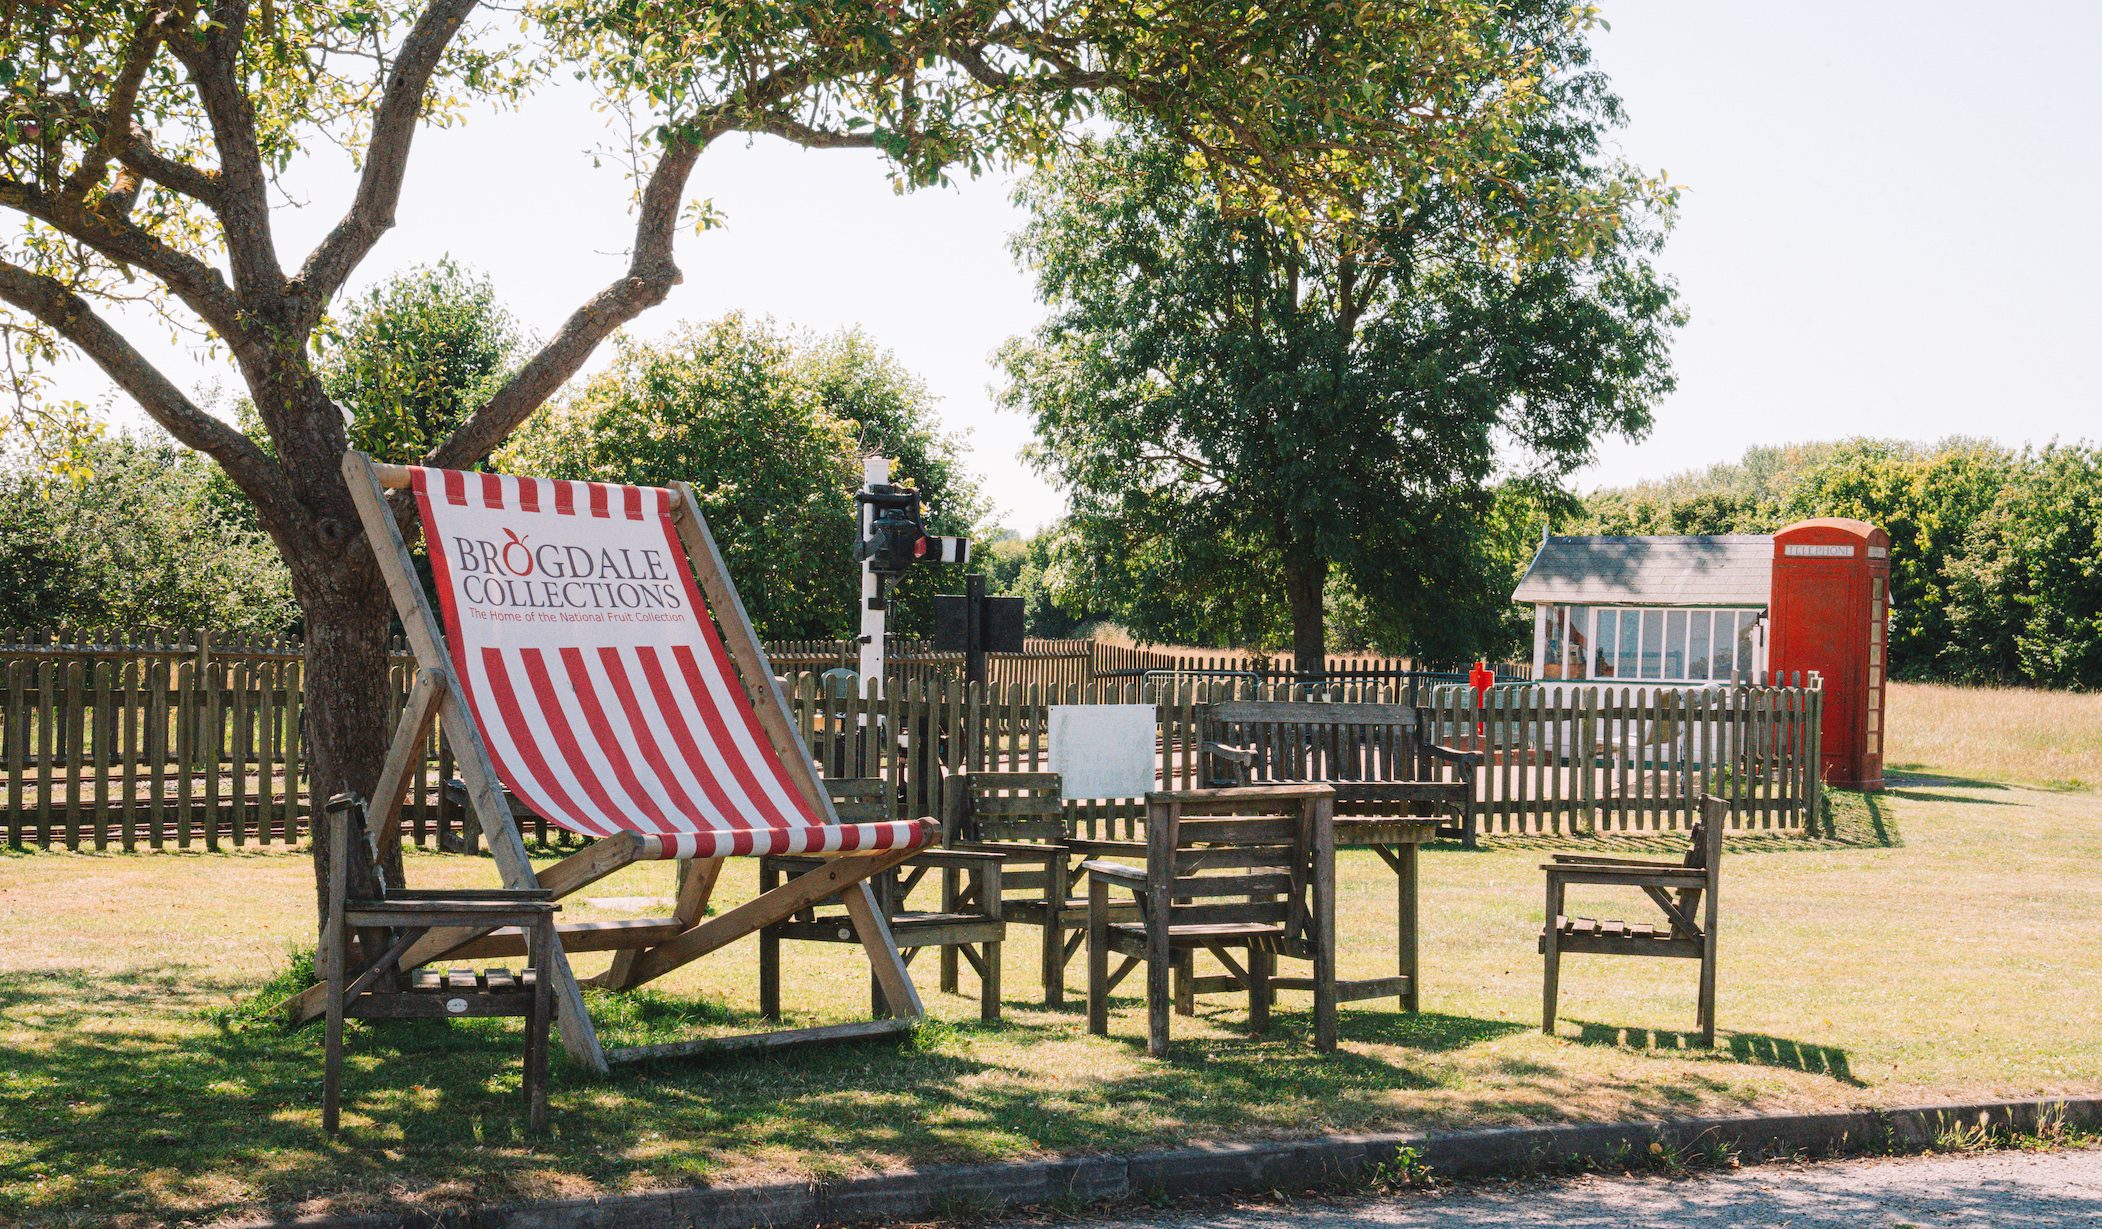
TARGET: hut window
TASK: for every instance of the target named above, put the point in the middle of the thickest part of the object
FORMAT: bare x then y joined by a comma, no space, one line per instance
1681,645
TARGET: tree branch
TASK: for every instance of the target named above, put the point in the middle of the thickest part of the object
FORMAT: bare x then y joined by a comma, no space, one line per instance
114,123
386,160
72,318
811,138
650,277
243,205
196,283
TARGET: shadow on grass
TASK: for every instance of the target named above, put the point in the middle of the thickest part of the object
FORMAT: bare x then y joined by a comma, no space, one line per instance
1755,1049
141,1094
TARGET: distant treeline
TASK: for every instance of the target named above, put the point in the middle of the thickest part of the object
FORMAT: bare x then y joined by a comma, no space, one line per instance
1996,553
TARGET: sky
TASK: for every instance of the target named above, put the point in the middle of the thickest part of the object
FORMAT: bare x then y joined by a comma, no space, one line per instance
1887,229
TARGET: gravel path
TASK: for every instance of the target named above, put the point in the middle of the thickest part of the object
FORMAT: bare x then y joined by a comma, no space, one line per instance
2000,1190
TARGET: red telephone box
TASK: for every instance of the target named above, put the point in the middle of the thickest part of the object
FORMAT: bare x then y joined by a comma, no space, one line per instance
1831,607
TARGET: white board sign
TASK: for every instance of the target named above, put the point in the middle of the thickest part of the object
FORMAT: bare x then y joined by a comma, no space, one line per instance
1103,750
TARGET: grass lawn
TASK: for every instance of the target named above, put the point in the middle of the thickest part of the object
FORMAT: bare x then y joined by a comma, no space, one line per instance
1945,940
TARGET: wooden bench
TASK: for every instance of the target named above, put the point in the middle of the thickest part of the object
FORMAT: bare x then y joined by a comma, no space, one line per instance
1375,756
1229,870
1020,817
371,985
1684,891
969,922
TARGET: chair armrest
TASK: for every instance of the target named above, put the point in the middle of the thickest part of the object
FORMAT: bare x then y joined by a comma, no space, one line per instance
1243,756
1453,755
512,894
1085,845
1116,872
1018,851
1631,876
961,859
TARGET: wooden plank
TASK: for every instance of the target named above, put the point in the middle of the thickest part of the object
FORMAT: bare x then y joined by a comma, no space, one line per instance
755,672
187,683
19,679
761,1042
405,752
102,734
295,748
76,756
241,683
130,745
212,745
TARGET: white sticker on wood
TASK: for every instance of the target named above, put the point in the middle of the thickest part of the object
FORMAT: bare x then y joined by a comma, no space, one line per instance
1104,750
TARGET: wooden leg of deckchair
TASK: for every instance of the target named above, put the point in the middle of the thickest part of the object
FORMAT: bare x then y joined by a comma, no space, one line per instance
824,882
697,878
898,992
579,870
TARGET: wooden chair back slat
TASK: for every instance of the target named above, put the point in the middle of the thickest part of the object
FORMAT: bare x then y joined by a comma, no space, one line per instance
860,800
1007,806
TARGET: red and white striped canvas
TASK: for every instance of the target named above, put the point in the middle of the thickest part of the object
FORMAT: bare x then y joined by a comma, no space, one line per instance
602,690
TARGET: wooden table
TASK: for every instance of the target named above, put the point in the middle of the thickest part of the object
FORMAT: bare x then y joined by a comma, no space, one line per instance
1396,840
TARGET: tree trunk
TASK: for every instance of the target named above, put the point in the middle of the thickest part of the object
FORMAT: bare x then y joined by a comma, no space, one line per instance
1306,576
349,700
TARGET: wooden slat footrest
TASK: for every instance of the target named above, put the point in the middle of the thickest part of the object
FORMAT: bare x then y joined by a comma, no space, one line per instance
467,981
756,1042
622,934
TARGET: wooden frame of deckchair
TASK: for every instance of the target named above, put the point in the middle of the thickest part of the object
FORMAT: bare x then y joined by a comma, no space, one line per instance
646,948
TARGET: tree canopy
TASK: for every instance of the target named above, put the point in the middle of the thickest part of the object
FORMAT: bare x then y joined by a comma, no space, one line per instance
770,429
413,357
1995,552
136,538
1236,411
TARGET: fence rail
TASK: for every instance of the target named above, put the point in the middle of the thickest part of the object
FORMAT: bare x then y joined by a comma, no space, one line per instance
195,741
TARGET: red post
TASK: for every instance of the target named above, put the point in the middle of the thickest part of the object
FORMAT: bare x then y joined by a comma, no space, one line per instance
1481,678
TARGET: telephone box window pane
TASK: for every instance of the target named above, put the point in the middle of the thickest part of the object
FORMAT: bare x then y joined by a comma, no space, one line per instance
1608,621
1675,645
1630,640
1697,646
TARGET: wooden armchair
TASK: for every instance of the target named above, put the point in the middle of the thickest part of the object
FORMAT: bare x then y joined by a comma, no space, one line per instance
1019,817
969,920
1247,870
1375,755
1682,890
373,985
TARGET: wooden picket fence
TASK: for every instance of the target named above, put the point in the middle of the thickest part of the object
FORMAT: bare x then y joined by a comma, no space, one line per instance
185,741
1599,759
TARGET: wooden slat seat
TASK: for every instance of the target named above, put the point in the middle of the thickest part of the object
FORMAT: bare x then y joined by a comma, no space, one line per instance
969,920
1684,891
1247,869
1021,817
1201,934
367,973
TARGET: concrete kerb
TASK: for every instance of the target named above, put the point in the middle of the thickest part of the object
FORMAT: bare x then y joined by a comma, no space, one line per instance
1223,1169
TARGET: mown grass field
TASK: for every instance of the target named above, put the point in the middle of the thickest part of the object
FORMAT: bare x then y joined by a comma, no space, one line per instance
1944,940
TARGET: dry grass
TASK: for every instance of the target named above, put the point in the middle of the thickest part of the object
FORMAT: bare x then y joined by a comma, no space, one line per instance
1943,945
2047,738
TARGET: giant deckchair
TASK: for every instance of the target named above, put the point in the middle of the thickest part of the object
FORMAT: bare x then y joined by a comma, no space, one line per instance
583,674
